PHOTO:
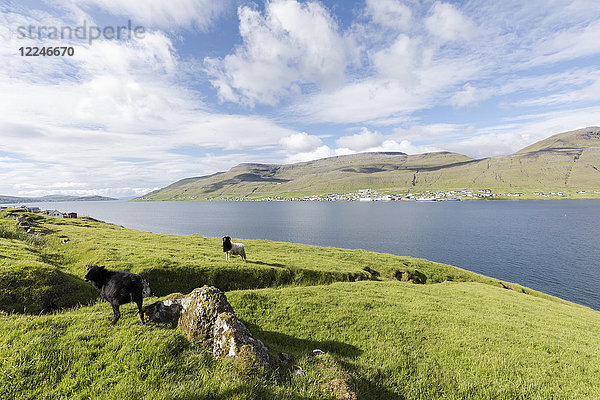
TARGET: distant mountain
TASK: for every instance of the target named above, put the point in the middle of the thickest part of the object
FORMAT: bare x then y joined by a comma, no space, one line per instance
566,162
50,198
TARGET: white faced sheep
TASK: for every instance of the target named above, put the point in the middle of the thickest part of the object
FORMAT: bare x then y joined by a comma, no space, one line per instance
237,249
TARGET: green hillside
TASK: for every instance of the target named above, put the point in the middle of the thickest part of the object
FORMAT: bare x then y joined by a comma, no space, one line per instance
459,335
567,163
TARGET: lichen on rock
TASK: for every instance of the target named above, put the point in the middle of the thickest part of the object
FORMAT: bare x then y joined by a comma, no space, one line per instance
199,311
231,338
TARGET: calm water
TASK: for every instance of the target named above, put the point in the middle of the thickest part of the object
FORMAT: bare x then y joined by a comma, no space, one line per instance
551,246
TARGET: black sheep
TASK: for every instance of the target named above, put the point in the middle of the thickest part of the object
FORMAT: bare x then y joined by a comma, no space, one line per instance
118,287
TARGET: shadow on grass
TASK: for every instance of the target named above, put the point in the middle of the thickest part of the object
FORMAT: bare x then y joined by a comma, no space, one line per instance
243,391
266,264
365,388
186,278
52,259
282,342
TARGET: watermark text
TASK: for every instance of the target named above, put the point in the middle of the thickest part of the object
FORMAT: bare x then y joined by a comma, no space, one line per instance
82,32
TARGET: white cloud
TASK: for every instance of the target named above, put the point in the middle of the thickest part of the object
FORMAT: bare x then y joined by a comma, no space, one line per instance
489,145
376,100
300,142
122,111
468,96
360,141
404,146
449,24
292,44
198,14
568,44
323,151
390,13
590,92
399,60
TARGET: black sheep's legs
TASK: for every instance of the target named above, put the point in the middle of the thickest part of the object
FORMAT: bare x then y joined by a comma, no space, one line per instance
117,313
140,311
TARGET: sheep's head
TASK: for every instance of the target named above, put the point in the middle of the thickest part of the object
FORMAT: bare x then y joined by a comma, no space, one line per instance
94,273
226,243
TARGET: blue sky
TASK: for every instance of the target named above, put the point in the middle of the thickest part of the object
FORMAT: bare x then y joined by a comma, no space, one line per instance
212,84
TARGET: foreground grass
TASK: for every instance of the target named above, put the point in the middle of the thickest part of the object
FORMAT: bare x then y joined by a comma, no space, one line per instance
79,355
396,340
452,340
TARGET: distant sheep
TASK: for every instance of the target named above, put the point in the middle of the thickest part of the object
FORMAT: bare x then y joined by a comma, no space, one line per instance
229,248
118,288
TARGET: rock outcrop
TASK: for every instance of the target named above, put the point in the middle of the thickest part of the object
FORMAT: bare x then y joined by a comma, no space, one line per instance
205,315
410,276
199,311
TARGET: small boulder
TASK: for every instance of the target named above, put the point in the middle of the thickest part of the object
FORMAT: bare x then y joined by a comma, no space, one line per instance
316,352
284,358
164,312
24,225
231,338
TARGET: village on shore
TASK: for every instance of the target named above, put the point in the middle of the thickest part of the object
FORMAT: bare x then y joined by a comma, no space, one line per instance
367,195
50,213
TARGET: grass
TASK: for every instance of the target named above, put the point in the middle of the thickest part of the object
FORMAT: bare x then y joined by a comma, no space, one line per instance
460,335
450,340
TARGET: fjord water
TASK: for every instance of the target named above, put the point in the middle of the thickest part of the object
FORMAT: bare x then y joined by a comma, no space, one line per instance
548,245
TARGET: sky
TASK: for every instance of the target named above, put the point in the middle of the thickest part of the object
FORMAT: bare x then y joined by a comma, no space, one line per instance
199,86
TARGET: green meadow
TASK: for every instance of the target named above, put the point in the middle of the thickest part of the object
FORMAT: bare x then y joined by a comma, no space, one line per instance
391,327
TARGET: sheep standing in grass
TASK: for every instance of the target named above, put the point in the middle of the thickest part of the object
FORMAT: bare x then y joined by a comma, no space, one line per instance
118,287
229,248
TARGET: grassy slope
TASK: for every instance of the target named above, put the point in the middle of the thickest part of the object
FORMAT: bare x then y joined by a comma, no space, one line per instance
452,340
567,162
465,337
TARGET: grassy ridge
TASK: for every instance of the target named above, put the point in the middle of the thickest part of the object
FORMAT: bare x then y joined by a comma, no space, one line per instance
461,335
41,274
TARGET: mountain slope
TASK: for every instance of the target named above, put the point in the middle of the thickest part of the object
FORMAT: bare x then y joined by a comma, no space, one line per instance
566,162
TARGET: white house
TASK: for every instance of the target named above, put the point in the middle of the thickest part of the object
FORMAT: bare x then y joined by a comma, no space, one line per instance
54,213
